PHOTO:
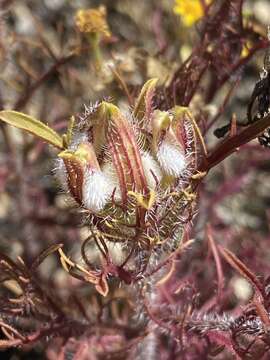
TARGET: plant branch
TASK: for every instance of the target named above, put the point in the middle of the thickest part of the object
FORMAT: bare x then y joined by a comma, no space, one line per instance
22,101
231,144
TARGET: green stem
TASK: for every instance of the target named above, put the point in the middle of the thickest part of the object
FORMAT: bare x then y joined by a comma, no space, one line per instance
94,40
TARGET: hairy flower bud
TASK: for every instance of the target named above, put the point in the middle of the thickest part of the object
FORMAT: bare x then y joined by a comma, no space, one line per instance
86,182
170,141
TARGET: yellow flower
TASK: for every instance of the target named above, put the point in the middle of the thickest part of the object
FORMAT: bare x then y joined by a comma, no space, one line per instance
92,21
246,49
190,10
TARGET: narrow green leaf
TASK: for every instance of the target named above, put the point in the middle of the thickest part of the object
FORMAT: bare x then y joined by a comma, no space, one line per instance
33,126
70,128
68,135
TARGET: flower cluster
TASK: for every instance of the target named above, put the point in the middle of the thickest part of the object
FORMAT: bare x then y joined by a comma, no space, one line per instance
130,174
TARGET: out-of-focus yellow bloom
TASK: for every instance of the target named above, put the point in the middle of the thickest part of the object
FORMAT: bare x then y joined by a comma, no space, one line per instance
189,10
93,24
93,21
246,49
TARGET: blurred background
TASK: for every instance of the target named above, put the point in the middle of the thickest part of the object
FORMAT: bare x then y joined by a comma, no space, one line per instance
48,70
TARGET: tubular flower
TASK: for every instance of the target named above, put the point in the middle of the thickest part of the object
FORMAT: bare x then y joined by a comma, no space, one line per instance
131,173
190,10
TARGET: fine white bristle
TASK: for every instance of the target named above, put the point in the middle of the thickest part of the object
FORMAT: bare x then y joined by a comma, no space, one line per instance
109,172
171,159
77,139
151,170
97,190
61,174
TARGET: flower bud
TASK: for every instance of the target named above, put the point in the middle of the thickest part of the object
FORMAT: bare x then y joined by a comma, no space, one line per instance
86,182
123,150
170,142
